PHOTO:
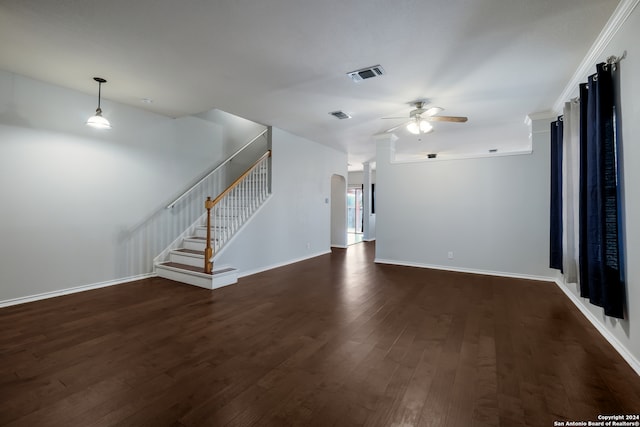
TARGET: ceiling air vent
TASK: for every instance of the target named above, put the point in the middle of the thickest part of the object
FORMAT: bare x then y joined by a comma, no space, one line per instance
432,155
340,115
366,73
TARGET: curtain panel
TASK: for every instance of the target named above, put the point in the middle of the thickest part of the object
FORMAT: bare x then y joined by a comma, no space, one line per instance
570,189
590,245
555,214
604,283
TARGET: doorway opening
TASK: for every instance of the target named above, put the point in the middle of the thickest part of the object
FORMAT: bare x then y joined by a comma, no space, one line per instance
355,215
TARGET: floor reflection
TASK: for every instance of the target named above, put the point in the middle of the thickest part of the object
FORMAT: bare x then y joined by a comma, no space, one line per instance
353,238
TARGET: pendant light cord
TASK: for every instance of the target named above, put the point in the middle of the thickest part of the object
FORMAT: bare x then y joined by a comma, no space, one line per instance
99,93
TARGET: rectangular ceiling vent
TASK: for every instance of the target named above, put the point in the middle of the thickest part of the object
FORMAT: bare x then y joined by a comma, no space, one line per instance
366,73
340,115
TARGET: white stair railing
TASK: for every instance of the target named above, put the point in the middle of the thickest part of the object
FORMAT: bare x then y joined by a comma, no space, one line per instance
235,205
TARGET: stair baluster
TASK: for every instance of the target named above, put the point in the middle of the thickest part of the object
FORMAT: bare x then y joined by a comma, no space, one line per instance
234,206
208,251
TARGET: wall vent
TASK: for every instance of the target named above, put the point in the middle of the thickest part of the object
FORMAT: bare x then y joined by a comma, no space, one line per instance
340,115
366,73
493,150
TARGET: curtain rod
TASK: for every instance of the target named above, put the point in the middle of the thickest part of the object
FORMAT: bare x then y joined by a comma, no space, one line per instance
613,60
610,61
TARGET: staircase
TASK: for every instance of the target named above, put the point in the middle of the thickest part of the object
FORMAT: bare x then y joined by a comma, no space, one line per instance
184,260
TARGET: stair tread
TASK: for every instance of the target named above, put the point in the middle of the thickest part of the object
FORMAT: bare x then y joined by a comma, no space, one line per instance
194,268
183,267
190,251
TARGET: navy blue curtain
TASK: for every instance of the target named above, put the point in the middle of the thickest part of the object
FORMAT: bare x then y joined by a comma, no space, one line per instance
555,232
600,251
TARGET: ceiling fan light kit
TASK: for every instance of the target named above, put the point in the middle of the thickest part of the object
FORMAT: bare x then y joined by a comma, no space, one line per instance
420,118
97,121
419,126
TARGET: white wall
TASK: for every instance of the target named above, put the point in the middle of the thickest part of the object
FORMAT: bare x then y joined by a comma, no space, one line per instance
295,223
338,211
492,212
82,206
368,217
625,334
356,178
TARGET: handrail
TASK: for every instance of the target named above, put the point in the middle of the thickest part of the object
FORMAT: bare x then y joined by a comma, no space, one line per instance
235,183
183,195
210,204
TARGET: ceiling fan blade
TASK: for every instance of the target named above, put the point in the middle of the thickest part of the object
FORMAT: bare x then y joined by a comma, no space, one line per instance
433,111
397,127
445,119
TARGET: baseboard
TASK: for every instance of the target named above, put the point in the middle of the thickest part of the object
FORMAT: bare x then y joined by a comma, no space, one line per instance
272,266
617,345
340,246
52,294
466,270
371,239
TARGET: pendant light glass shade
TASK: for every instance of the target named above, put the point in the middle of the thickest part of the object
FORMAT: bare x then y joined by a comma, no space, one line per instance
97,121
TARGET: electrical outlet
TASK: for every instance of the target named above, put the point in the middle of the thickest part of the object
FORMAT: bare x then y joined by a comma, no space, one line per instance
450,255
308,245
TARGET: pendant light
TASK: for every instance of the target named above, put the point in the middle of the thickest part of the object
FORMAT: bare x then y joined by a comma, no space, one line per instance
98,121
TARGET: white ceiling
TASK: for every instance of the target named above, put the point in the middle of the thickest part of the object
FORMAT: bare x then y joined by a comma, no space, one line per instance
284,62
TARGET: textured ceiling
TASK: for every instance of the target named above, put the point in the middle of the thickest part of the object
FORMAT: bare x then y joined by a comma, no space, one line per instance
284,62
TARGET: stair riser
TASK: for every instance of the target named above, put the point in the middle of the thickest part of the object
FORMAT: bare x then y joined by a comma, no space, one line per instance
185,259
217,281
185,278
194,245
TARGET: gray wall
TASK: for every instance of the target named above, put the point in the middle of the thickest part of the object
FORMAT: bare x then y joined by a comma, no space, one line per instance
82,207
491,212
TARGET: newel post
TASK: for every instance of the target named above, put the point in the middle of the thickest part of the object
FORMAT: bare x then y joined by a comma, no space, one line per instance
208,251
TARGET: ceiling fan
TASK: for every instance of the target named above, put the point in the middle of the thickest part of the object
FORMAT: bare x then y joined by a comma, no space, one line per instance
420,117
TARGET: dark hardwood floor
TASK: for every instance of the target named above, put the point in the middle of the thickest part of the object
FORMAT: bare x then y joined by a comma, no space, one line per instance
336,340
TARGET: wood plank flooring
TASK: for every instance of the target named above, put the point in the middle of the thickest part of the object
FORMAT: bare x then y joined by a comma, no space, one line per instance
336,340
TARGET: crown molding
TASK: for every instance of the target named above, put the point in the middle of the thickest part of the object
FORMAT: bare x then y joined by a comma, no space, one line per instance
541,115
618,18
